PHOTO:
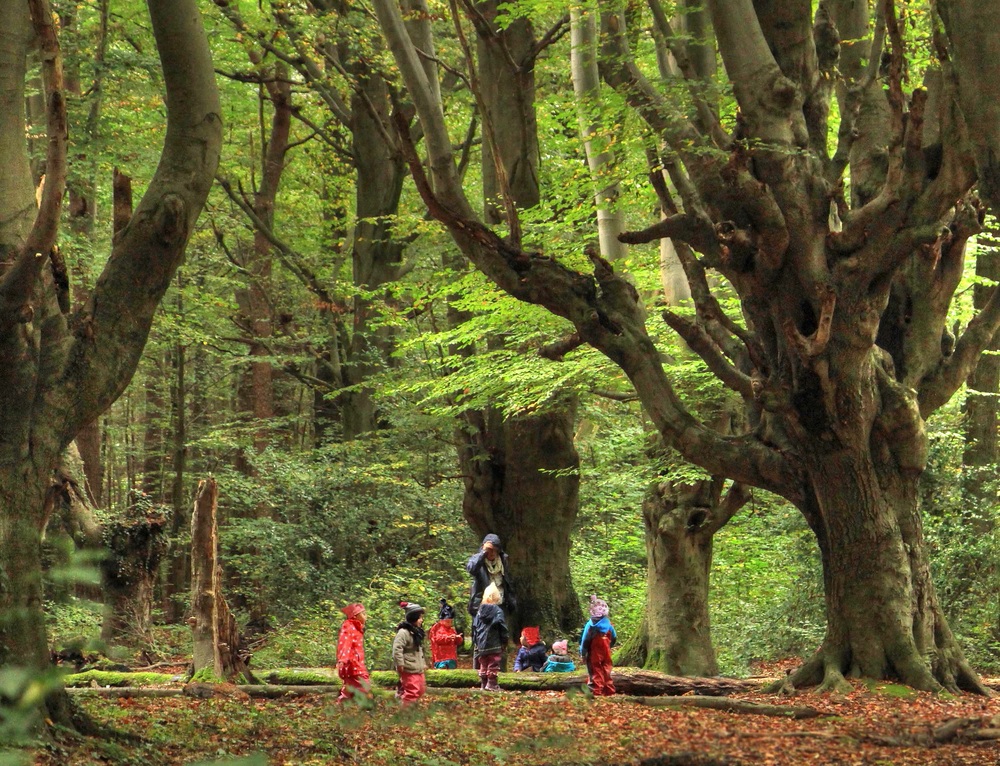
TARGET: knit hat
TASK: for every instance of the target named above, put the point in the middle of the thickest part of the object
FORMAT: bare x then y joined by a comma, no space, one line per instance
352,610
413,611
598,608
530,635
560,647
492,540
447,612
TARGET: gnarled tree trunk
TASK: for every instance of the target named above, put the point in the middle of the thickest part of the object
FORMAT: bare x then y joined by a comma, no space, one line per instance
67,370
526,490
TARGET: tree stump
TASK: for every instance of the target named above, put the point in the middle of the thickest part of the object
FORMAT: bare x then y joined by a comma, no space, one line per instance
217,649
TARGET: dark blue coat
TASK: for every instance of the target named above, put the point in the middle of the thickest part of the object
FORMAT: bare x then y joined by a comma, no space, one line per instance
530,658
476,566
489,630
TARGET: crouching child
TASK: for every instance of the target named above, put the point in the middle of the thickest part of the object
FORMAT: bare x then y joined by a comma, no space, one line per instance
531,655
559,661
445,640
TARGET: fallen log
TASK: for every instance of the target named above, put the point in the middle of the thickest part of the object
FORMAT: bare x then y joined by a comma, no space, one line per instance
122,691
269,691
629,681
730,706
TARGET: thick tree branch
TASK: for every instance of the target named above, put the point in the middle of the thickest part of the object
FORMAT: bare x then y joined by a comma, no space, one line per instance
18,284
938,388
693,229
610,319
702,344
971,27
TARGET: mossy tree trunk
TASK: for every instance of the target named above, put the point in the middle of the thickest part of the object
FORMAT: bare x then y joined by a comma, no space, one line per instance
65,369
680,523
527,491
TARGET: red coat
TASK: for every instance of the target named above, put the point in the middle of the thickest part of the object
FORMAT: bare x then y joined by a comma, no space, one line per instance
444,642
351,651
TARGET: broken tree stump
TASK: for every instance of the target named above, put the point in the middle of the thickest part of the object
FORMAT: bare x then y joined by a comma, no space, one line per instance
217,649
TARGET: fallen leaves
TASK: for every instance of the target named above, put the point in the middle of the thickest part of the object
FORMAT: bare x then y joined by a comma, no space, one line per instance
535,728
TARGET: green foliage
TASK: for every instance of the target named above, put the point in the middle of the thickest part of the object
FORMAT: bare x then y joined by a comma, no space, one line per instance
962,528
74,624
370,506
767,590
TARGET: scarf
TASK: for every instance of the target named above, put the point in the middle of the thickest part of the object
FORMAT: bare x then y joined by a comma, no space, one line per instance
495,570
417,633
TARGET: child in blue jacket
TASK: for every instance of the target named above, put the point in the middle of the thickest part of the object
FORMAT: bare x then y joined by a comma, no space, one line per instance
595,648
559,661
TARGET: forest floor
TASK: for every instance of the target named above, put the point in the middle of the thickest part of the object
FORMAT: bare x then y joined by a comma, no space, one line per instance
877,725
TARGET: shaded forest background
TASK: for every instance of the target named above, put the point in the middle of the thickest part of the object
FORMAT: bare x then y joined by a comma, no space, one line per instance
307,356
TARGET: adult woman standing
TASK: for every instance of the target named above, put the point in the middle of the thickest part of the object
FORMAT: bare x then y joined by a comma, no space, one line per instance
489,565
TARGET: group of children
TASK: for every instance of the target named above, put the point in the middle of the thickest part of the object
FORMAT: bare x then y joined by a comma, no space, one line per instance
489,637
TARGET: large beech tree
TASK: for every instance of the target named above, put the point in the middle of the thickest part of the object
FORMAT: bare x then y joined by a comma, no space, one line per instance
62,368
841,352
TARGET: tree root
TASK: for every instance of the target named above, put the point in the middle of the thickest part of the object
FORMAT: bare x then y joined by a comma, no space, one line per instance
825,671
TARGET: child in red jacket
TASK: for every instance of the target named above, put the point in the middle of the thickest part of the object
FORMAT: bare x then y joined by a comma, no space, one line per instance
351,654
445,641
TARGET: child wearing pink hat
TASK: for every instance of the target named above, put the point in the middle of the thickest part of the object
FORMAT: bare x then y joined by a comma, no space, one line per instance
351,654
595,648
559,661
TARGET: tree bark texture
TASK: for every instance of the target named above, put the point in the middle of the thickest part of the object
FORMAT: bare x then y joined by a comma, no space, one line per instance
216,637
135,546
679,559
522,484
376,254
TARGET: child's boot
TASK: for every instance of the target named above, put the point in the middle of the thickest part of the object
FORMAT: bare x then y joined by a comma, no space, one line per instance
483,682
491,684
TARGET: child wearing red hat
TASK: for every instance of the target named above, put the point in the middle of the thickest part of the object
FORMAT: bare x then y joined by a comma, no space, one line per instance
351,654
445,640
531,655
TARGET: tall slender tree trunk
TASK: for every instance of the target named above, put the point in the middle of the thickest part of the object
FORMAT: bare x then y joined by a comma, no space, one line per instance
377,254
254,300
176,584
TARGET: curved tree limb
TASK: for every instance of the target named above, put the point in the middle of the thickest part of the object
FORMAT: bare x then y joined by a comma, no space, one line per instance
610,318
149,250
703,345
18,283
